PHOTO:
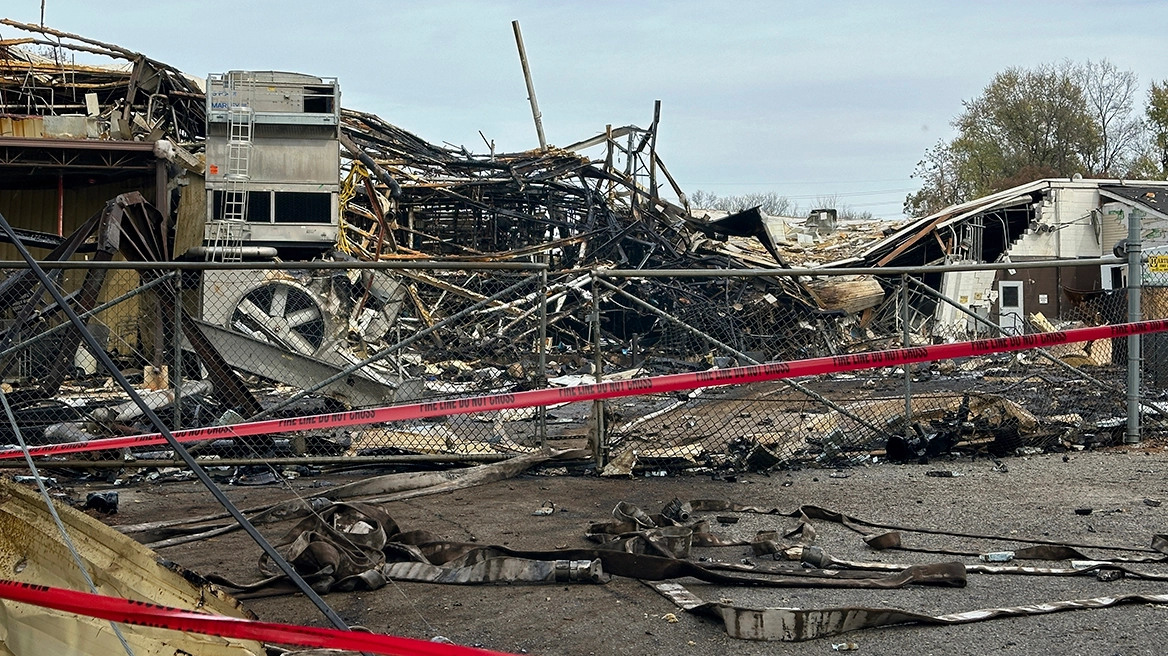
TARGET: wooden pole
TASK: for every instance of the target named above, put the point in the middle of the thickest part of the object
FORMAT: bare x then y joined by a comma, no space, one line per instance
530,87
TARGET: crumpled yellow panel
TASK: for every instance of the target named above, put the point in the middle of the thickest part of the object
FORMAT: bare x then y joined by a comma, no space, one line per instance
32,551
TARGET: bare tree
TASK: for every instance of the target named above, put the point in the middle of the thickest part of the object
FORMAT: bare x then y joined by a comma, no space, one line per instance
1110,96
843,210
770,202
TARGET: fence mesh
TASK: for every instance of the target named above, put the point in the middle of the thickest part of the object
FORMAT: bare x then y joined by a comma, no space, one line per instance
281,343
1069,397
213,347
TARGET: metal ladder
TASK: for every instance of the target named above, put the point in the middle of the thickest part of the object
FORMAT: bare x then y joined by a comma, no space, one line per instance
227,242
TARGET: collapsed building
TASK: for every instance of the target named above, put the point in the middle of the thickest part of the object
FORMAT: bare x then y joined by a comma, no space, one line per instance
251,166
1050,219
140,162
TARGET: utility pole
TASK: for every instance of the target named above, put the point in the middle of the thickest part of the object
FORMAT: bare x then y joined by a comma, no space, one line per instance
530,87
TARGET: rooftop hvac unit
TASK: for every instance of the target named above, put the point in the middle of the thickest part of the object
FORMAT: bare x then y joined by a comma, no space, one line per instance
273,163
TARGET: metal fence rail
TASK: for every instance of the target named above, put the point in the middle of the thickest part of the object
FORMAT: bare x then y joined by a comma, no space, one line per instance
213,343
1064,398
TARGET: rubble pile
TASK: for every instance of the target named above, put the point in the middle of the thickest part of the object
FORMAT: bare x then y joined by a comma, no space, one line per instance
134,98
593,213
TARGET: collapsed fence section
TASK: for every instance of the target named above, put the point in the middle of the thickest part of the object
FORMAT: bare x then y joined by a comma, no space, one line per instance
1065,396
214,345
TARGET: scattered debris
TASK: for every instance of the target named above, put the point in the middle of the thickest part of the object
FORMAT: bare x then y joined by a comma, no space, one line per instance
997,557
105,503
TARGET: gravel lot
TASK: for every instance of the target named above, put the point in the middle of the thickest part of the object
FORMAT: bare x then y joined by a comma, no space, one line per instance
1037,497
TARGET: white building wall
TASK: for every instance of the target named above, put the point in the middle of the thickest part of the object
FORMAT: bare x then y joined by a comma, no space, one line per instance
974,290
1065,228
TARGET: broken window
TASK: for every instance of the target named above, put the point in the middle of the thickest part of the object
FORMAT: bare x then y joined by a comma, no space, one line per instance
1010,296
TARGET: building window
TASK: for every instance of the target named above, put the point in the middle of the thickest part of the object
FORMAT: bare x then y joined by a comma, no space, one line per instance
303,207
259,206
318,100
1117,278
1010,296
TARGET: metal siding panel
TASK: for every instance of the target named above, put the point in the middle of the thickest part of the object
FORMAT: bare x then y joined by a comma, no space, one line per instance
192,215
36,209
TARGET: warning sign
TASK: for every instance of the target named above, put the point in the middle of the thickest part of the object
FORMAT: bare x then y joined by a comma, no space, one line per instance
1158,263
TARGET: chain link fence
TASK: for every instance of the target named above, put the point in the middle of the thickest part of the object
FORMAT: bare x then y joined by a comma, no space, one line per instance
215,346
220,346
1064,398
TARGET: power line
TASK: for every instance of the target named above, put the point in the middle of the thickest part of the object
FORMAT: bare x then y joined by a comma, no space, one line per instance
790,182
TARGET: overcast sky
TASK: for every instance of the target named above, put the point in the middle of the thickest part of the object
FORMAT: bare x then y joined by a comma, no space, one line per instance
805,99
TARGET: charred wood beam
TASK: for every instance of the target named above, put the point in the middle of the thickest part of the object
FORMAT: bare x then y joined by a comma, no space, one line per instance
111,49
383,175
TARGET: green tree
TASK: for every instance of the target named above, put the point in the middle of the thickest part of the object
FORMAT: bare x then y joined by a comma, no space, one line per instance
1025,122
1156,113
942,184
1053,120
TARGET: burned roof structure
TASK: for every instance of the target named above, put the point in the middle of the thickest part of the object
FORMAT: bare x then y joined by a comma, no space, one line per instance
1047,219
511,205
135,97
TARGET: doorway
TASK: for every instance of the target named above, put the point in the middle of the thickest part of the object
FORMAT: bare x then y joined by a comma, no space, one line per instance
1010,317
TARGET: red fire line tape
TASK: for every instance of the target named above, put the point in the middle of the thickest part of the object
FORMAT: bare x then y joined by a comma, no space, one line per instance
141,613
635,386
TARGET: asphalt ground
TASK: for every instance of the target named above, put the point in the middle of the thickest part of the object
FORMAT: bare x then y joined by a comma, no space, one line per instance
1036,498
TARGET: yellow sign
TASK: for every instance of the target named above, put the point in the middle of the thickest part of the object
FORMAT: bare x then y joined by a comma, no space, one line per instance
1158,263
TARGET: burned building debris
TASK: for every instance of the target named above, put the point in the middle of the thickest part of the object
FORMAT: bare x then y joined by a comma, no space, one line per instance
427,271
247,250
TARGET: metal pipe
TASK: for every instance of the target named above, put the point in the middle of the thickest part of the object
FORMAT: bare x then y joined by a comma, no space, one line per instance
597,375
444,265
530,86
246,252
542,375
389,350
395,190
841,271
177,374
159,426
907,340
744,357
1135,269
60,204
101,308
